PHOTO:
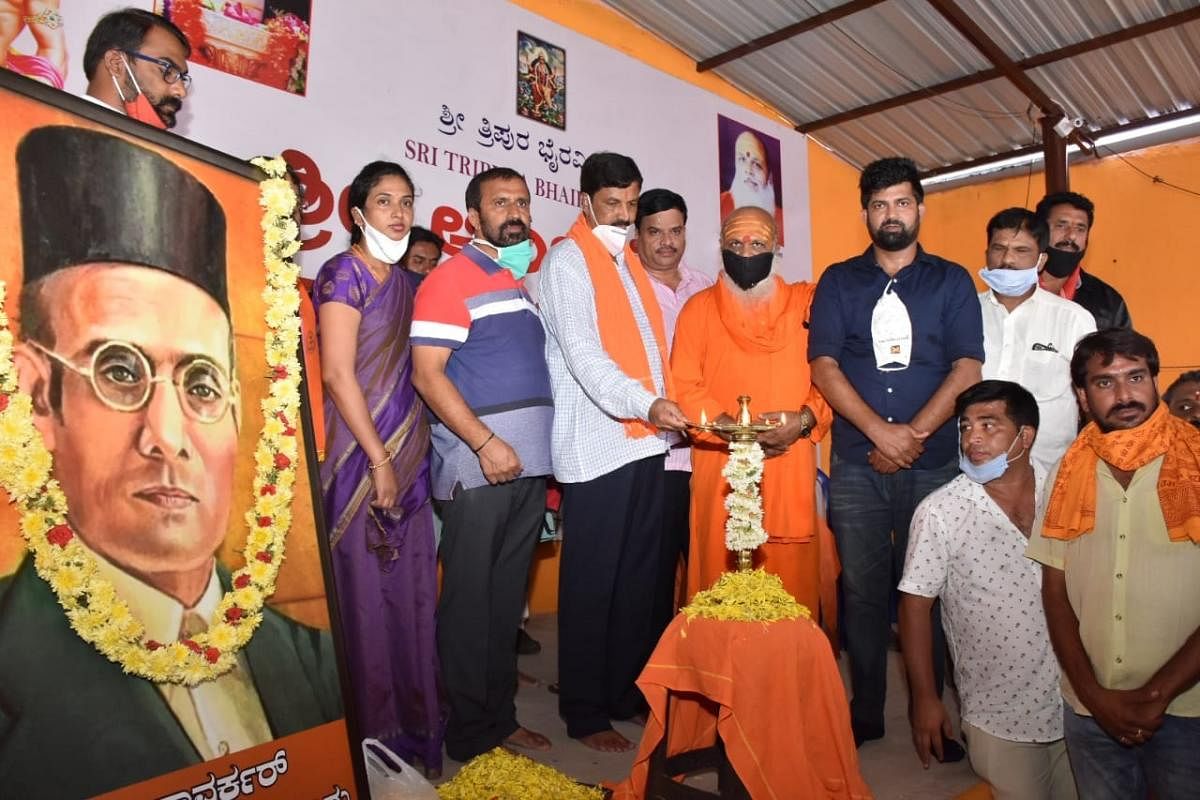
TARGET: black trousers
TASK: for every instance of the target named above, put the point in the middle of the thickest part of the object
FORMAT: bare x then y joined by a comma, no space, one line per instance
677,500
609,573
488,536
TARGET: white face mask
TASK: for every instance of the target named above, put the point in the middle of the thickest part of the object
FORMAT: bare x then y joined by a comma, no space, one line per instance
891,331
379,245
611,236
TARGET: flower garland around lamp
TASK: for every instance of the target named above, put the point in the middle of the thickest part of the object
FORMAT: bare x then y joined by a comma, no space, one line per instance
93,608
747,594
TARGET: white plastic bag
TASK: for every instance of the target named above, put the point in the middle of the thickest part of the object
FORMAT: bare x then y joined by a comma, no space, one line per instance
390,778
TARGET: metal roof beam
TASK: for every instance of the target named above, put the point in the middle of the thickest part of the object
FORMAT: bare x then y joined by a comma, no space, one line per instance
1040,60
971,31
1037,148
754,45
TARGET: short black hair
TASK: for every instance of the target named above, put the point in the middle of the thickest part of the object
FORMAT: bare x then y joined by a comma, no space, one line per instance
364,182
879,175
1019,404
606,170
1191,376
657,201
475,186
1021,219
417,234
125,30
1108,344
1074,199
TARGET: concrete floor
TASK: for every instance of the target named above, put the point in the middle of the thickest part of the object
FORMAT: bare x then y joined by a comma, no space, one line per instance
889,765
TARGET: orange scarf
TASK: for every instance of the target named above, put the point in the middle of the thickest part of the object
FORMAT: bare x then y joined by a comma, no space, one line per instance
614,317
1072,507
770,326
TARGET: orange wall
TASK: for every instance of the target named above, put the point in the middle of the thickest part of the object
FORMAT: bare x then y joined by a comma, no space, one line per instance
1142,242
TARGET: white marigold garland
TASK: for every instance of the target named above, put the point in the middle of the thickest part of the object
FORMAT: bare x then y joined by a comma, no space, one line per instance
743,470
91,603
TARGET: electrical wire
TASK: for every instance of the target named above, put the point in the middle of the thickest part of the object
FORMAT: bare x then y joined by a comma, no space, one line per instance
1152,178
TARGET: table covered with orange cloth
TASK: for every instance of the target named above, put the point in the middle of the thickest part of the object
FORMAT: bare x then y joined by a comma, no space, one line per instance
774,693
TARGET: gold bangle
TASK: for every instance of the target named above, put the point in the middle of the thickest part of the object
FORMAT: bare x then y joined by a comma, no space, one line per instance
387,457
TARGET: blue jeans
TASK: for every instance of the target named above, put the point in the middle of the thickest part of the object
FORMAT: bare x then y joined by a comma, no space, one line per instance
870,514
1166,764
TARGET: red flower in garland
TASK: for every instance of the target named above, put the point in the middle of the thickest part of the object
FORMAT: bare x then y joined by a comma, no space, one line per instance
234,614
152,645
264,522
268,488
263,556
241,581
211,654
279,373
190,645
282,461
4,402
59,535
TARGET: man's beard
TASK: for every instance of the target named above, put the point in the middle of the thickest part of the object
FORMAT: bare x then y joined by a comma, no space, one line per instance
510,232
895,240
167,108
744,194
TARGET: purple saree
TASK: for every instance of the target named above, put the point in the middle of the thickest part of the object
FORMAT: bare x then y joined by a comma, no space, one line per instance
384,562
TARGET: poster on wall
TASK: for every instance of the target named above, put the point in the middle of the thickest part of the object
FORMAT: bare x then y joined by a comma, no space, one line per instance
751,173
541,81
265,41
33,43
157,470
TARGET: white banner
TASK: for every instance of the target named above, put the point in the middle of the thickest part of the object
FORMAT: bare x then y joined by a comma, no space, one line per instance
434,86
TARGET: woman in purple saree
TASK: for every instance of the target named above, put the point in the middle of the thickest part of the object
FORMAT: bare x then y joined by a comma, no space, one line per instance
375,477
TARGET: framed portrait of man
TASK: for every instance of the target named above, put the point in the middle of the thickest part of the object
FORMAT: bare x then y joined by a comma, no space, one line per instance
139,358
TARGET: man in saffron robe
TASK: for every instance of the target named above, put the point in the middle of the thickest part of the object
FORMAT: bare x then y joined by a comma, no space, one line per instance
747,334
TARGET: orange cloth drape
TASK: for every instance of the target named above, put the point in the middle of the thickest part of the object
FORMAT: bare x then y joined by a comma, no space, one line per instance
774,693
724,349
618,327
1071,510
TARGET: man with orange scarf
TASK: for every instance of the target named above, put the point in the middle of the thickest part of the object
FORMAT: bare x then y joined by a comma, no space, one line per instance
1121,578
747,334
607,353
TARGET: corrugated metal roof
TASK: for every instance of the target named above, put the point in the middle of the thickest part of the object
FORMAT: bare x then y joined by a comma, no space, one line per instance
899,46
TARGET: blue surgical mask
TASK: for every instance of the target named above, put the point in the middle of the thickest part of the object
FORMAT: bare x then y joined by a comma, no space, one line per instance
991,469
1010,282
515,258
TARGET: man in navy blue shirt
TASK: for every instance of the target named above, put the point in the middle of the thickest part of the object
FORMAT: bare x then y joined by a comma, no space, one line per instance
896,334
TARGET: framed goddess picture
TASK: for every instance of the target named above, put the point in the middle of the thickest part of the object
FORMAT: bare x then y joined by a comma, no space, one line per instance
541,81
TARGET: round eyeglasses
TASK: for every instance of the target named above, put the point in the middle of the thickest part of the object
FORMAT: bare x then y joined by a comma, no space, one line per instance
123,379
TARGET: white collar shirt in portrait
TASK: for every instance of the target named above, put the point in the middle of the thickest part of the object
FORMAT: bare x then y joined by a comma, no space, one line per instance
1032,346
964,549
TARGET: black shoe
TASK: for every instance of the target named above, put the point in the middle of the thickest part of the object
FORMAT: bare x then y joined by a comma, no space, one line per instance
952,751
867,735
526,644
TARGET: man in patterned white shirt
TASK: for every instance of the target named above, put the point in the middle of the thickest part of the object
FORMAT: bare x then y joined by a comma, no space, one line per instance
606,348
967,547
1029,334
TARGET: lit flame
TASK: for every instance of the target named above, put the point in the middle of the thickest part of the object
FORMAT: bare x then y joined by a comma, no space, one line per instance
703,418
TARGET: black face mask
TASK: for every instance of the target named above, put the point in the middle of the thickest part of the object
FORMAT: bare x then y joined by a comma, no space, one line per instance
747,271
1061,263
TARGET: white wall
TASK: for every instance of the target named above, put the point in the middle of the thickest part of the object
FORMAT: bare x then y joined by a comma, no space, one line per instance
380,72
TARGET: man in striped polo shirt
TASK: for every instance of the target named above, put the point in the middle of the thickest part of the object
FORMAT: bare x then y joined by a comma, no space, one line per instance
479,363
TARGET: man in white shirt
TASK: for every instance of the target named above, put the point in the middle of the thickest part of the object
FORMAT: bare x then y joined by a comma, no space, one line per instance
967,547
609,372
661,240
1029,334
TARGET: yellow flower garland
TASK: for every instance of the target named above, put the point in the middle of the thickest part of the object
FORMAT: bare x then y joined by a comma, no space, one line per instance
91,603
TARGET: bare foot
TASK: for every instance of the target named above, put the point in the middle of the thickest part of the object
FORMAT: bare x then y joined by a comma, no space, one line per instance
525,739
608,741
